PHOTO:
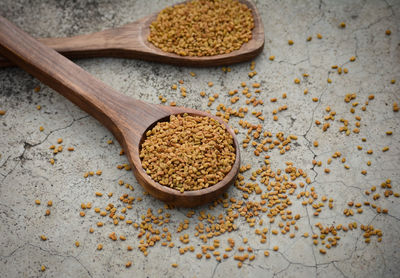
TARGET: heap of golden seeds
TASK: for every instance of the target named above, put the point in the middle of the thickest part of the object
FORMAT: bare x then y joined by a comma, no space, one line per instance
188,152
202,28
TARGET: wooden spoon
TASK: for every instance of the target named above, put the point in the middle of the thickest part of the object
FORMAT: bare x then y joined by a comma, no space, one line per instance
130,41
127,118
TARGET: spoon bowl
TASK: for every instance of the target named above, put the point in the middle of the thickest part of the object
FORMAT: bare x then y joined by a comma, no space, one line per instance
127,118
130,41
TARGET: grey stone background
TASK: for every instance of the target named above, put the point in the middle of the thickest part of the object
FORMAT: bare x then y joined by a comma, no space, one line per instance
27,175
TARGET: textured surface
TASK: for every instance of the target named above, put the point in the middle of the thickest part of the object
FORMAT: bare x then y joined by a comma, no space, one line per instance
26,173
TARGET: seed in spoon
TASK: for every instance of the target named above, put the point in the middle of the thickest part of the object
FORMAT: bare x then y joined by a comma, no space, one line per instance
188,152
208,28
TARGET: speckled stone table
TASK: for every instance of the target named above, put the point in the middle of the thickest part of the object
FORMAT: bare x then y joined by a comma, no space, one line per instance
26,173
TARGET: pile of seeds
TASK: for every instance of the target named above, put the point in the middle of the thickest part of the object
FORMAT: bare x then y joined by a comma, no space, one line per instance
202,28
188,152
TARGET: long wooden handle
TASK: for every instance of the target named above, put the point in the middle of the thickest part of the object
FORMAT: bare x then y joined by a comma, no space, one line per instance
118,42
84,46
59,73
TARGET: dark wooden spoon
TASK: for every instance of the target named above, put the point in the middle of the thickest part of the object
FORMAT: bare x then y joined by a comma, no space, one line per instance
130,41
127,118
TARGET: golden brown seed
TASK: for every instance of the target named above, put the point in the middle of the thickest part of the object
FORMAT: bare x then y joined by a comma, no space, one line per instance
207,165
195,34
290,42
37,202
128,264
388,32
77,244
43,268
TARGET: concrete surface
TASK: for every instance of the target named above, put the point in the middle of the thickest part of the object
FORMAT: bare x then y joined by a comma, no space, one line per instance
26,173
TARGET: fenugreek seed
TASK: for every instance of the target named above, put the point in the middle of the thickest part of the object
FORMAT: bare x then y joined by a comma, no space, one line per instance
175,265
41,128
275,248
388,32
128,264
42,268
290,42
99,246
205,130
77,244
172,32
319,36
2,112
322,251
272,57
37,202
342,25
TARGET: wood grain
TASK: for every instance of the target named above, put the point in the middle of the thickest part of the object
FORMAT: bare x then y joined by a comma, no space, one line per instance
125,117
130,41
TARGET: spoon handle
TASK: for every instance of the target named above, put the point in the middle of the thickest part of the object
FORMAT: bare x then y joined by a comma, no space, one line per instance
59,73
107,43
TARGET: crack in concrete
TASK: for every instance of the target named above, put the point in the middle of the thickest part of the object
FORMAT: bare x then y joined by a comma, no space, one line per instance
28,146
338,269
